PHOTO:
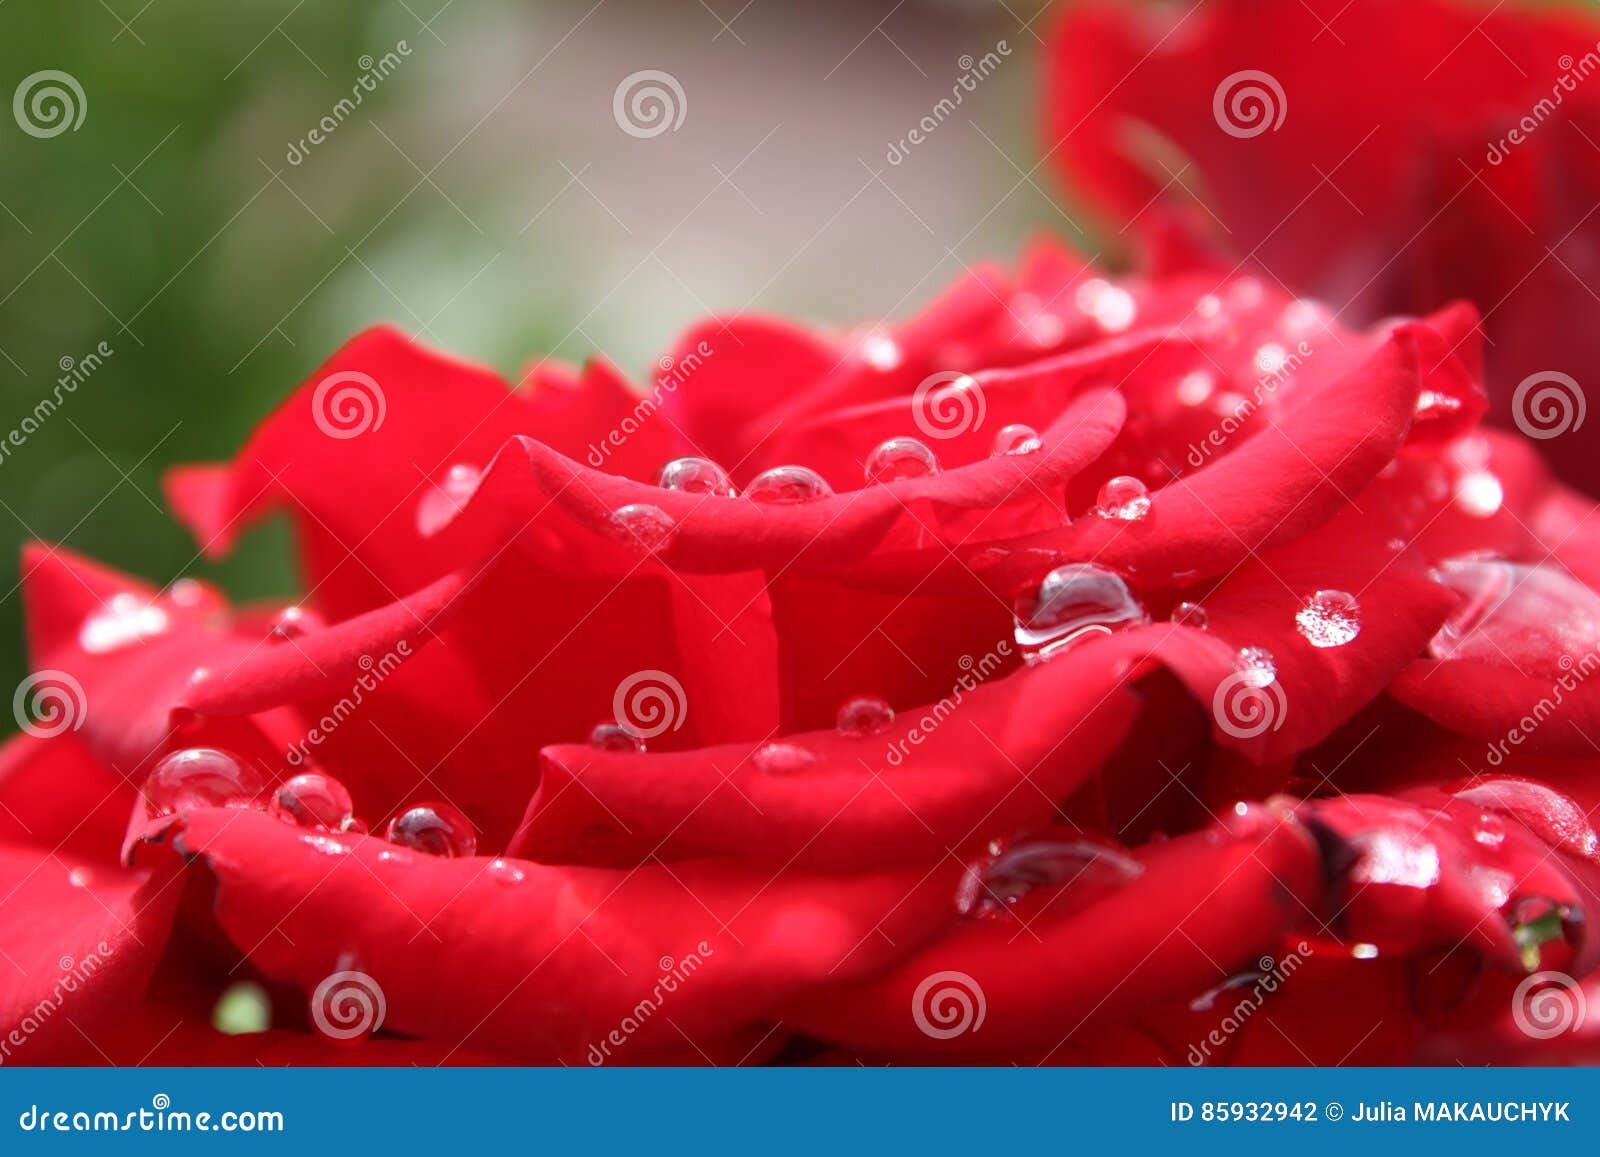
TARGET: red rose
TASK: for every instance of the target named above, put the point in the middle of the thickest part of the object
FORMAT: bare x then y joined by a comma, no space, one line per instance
1388,156
1030,682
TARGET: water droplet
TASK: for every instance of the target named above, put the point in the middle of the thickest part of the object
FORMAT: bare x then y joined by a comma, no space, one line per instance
610,736
124,620
201,777
1405,859
314,800
436,829
1490,831
1111,306
504,872
1124,498
1479,493
1074,602
1537,620
781,759
881,351
1329,619
639,524
900,458
695,476
295,621
1190,615
443,500
1013,868
787,486
1015,440
191,594
864,715
1271,358
1257,665
1196,388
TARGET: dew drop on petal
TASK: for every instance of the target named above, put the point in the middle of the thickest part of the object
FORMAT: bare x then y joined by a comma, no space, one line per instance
898,459
293,622
1074,602
614,737
436,829
1190,615
1479,493
1010,869
201,777
864,715
1329,619
1257,665
881,352
1016,439
441,501
1111,306
787,486
314,800
124,620
695,476
1123,499
1196,388
781,759
504,872
647,527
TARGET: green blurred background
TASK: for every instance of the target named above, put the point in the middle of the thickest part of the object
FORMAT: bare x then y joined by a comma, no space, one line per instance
482,195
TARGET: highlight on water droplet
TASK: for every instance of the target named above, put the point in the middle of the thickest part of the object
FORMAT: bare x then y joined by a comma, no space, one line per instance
787,486
1123,499
1074,602
295,621
1257,666
436,829
780,758
442,500
864,715
1016,440
1329,618
696,476
647,527
124,620
898,459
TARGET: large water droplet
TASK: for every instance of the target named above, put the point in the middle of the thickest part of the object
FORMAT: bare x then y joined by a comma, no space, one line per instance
898,459
124,620
1124,499
1256,665
787,486
781,759
1016,440
611,736
201,777
442,501
1074,602
1013,868
695,476
434,828
1191,615
314,800
1329,618
864,715
649,528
